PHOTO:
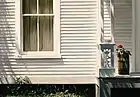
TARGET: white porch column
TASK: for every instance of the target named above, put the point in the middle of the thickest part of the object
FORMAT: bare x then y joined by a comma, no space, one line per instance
136,35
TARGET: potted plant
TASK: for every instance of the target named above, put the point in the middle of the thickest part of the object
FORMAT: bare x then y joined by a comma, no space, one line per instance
123,59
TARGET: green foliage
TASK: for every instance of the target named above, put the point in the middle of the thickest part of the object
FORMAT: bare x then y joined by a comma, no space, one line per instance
57,94
21,80
41,90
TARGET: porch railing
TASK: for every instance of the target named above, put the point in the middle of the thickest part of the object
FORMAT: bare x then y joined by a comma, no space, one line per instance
107,59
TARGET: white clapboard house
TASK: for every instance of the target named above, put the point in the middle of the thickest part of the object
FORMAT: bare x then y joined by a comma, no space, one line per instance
62,41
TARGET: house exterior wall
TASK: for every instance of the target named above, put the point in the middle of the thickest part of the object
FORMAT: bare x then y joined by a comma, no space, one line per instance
78,62
107,20
136,35
123,24
122,33
118,28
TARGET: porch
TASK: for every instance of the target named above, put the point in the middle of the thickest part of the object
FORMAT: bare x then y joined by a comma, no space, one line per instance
121,26
118,28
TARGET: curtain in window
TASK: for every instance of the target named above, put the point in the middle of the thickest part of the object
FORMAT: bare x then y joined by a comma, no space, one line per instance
46,6
46,25
46,34
45,28
29,6
30,34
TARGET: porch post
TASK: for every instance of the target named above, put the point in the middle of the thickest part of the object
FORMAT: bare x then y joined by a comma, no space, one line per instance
133,65
136,36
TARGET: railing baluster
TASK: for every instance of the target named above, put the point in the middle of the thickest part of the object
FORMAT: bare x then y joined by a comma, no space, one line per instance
107,56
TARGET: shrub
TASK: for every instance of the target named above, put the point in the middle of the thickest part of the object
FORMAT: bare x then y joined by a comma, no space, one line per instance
50,90
57,94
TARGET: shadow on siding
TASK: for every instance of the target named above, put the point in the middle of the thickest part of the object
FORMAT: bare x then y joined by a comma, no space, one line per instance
7,42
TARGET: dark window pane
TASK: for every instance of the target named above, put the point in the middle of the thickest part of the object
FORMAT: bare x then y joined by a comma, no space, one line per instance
29,6
46,6
30,33
46,34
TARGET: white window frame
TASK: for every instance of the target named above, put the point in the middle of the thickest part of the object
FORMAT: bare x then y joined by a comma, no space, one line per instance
19,33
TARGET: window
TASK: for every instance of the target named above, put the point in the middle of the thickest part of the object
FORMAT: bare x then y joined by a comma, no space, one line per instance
39,31
38,25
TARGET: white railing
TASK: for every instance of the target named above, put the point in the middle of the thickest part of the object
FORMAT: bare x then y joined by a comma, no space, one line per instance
107,67
107,56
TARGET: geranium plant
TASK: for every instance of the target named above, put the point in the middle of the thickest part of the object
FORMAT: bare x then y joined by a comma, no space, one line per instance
122,52
123,59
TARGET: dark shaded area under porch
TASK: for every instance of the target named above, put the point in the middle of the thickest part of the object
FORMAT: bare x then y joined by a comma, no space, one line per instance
109,86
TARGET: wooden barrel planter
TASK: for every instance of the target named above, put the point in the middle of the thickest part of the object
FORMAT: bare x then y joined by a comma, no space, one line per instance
123,64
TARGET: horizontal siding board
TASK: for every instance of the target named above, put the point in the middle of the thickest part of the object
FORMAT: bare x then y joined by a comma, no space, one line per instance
77,10
78,4
36,66
51,73
52,65
77,26
50,70
81,57
75,32
73,1
77,41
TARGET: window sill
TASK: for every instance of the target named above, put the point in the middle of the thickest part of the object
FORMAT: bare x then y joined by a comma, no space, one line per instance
38,55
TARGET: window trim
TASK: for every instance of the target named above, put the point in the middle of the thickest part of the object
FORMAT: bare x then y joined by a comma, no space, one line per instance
19,34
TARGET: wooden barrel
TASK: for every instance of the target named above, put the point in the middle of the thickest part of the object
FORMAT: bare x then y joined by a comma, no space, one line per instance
123,64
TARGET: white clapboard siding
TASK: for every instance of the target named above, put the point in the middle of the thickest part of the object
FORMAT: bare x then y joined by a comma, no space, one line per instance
7,36
107,20
78,45
123,23
7,32
78,34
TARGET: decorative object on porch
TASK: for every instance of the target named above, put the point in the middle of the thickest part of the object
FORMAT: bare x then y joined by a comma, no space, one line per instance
123,60
22,80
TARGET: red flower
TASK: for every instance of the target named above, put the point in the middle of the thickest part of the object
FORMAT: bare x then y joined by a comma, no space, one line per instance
120,46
